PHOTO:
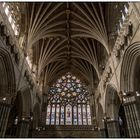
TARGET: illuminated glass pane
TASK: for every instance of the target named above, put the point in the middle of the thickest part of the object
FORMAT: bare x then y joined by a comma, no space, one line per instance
68,85
73,77
73,84
79,115
57,85
68,76
59,80
63,77
72,89
48,114
75,115
62,115
59,90
84,115
57,114
64,84
74,94
68,115
67,91
88,115
77,81
79,85
78,90
53,115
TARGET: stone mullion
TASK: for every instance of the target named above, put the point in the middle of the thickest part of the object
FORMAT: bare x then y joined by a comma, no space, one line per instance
86,114
77,116
59,114
65,115
72,116
82,113
55,114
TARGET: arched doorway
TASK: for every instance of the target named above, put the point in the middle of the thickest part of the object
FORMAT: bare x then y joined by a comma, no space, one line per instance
130,88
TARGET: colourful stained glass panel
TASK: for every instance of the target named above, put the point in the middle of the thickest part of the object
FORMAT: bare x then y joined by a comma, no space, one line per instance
53,114
57,114
48,115
75,115
79,115
88,115
62,115
68,115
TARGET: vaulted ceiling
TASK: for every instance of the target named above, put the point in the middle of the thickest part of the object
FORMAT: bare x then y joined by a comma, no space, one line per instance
64,37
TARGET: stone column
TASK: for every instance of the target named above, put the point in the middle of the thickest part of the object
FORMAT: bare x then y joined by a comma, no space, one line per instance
131,103
23,128
43,109
4,115
113,129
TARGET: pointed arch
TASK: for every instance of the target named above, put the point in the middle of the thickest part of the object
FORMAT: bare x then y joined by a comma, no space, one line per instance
129,64
7,74
112,102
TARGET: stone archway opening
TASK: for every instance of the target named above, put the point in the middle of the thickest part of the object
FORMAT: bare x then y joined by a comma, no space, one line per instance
130,88
7,87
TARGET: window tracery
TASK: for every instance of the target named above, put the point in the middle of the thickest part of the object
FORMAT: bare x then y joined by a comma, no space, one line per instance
68,102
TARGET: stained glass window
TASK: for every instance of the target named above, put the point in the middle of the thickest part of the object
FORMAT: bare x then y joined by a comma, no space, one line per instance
88,115
68,102
48,114
53,114
75,115
57,114
84,115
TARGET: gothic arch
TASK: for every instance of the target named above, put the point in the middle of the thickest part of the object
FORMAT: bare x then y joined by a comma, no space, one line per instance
130,65
7,74
112,102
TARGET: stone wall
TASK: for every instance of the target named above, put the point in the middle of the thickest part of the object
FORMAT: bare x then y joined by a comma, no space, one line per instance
63,131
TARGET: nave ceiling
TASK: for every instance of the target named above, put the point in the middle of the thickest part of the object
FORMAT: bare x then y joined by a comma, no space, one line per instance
66,36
